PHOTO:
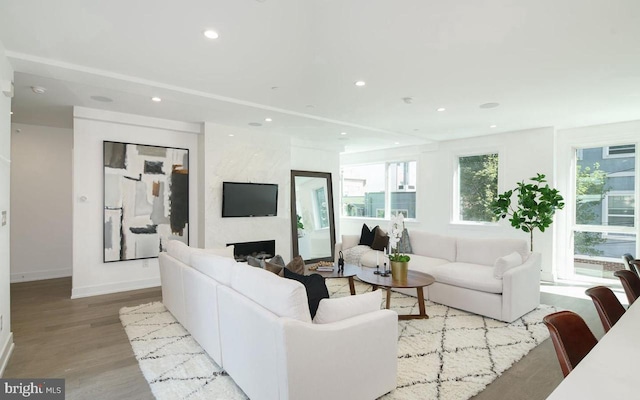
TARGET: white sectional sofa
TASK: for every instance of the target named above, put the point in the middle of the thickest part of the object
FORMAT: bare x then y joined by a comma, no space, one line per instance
465,272
257,326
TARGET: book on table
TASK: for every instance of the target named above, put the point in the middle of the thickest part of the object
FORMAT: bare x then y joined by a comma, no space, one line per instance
324,269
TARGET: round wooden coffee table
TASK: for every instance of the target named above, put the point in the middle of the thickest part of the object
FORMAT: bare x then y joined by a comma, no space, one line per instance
350,271
417,280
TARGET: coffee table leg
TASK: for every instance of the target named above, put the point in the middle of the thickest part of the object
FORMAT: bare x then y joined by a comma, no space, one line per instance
421,302
388,297
352,286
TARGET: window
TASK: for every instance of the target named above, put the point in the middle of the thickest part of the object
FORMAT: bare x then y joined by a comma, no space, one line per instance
322,213
625,150
605,199
379,190
477,187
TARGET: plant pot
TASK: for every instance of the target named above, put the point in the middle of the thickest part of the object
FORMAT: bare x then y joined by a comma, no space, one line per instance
399,270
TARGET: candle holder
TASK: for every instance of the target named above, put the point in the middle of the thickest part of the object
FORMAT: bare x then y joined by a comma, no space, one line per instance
386,271
377,271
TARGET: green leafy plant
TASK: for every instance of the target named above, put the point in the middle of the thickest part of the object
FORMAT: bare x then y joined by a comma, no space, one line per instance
537,203
299,220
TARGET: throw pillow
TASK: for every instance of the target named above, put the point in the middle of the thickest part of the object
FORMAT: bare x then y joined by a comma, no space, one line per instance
254,262
277,259
404,246
296,265
503,264
334,310
367,235
316,288
275,268
380,240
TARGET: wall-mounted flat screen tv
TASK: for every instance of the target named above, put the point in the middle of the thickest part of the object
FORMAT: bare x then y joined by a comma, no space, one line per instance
249,199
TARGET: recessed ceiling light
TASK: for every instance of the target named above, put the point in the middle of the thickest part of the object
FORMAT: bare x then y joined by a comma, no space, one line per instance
156,99
275,87
407,100
268,119
343,133
255,124
441,109
231,135
310,106
210,34
103,99
38,89
489,105
396,143
360,83
493,126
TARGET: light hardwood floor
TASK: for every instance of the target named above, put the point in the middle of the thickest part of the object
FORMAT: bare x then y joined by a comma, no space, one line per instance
83,341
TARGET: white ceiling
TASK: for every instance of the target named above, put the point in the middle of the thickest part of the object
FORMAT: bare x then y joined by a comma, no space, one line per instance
547,62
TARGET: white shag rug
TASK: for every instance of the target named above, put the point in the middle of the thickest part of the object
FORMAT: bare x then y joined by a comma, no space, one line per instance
453,355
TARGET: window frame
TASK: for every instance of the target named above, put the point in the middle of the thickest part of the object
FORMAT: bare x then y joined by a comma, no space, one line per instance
455,217
387,188
606,151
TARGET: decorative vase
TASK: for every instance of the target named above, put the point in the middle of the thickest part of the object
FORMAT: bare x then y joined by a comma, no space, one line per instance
399,270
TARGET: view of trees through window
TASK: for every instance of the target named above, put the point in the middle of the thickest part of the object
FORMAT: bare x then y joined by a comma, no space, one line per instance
365,194
477,186
604,209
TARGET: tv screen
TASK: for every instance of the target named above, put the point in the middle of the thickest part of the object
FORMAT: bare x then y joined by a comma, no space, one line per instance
249,199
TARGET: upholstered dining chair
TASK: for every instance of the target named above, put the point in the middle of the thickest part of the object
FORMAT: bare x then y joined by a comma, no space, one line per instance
628,259
607,304
630,283
571,338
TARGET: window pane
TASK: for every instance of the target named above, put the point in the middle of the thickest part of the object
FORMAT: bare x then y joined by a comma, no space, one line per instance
605,187
598,254
363,191
402,181
622,149
478,186
321,207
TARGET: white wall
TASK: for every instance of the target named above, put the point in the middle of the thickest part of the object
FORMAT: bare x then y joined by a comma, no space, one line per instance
41,236
6,337
522,155
247,156
91,127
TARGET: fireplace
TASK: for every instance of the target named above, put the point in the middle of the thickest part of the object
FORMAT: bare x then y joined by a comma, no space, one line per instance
262,249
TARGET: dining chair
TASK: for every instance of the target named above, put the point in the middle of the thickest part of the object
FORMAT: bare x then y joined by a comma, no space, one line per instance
630,283
607,304
628,259
572,338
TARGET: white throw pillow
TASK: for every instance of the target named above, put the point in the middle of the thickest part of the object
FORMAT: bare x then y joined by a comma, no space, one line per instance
503,264
334,310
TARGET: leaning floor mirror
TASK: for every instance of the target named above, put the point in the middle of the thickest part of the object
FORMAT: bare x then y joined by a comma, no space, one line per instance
312,223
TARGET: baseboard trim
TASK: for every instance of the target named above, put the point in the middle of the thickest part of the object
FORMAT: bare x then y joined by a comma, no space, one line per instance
40,275
7,350
96,290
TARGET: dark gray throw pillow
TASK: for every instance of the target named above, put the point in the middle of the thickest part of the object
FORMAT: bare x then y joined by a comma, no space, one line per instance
316,288
404,245
254,262
277,259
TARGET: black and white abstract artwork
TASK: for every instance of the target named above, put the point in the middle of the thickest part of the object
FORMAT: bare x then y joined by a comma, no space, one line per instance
146,199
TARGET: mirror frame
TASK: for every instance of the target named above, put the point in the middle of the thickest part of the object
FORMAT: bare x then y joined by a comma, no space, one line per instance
294,213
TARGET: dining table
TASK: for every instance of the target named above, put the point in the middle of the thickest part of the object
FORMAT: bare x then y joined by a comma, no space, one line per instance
610,370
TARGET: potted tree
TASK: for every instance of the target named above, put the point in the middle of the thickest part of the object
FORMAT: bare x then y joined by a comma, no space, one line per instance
536,205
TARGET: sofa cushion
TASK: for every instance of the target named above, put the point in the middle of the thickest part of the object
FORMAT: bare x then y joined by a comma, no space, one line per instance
222,252
283,297
371,258
469,276
315,286
486,251
432,245
380,240
503,264
424,264
334,310
349,241
367,235
219,268
179,250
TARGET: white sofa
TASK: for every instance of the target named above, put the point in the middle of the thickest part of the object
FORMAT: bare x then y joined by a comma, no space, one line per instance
257,326
464,269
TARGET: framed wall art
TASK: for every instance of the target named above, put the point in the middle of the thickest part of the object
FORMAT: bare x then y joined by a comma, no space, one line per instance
146,199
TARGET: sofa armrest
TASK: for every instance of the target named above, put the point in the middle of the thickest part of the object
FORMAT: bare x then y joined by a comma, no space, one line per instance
521,288
354,358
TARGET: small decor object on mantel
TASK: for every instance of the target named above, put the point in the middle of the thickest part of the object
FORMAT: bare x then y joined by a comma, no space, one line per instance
399,262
